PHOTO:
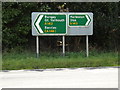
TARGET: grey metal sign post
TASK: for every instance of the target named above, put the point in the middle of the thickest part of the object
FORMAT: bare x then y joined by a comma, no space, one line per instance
37,46
87,52
63,45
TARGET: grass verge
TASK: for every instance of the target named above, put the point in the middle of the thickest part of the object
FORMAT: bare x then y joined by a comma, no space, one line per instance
27,60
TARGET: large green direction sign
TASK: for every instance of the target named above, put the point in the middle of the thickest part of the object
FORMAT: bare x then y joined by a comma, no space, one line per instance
62,23
50,23
79,20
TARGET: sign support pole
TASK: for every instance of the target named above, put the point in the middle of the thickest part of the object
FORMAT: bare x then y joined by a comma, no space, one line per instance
37,46
87,51
63,45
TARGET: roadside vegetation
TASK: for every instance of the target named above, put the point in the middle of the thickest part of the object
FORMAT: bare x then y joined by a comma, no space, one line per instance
25,60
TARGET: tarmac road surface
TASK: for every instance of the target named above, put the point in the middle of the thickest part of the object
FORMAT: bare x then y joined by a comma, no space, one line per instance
106,77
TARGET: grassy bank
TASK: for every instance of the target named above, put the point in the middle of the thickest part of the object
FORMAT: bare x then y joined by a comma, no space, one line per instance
27,60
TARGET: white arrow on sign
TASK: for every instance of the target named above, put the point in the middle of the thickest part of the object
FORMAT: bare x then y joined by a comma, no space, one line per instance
37,23
88,20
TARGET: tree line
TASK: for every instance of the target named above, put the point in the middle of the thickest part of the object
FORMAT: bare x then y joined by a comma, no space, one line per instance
16,25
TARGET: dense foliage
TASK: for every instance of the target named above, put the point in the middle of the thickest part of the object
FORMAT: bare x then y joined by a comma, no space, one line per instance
16,26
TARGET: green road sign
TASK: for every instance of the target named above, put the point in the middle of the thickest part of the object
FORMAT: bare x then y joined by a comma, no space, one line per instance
79,20
50,24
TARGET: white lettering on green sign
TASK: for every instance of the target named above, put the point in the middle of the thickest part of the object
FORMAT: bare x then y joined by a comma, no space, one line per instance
51,24
79,20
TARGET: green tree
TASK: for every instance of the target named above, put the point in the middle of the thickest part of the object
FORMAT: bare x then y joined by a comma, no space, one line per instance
16,24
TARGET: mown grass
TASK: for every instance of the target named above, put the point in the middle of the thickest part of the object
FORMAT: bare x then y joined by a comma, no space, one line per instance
27,60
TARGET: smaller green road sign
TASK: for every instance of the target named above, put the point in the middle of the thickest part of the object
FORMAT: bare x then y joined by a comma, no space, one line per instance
50,23
79,20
